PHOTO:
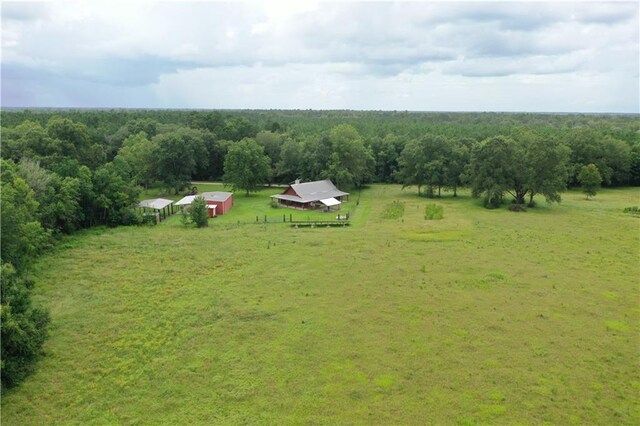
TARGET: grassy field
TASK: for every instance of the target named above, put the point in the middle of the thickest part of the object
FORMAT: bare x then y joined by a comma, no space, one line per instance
482,317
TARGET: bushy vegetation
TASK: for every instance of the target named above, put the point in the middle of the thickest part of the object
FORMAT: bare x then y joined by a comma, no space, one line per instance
199,213
433,212
394,210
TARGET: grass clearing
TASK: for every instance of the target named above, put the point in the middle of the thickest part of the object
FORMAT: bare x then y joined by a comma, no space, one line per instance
485,316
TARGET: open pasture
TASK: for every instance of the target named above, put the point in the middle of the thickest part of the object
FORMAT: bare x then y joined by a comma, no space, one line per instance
484,316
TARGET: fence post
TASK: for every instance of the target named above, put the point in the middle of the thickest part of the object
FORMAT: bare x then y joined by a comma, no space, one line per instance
265,218
284,217
256,219
290,219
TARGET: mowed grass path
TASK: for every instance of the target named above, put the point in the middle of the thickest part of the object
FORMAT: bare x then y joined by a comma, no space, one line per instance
486,316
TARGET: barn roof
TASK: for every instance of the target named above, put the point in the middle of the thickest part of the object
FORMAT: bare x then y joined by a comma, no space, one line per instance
312,191
216,196
155,203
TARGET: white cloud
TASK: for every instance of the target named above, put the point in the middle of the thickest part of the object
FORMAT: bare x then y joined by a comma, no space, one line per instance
382,55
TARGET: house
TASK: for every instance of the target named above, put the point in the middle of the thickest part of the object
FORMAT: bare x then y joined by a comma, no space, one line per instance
218,202
310,195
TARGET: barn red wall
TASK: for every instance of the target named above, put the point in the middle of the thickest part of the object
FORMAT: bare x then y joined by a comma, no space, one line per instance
226,206
222,207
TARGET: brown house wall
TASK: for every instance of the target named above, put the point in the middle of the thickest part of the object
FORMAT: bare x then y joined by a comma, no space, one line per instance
290,191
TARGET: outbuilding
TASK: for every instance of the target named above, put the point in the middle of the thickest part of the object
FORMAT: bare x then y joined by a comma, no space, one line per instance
219,203
311,195
161,207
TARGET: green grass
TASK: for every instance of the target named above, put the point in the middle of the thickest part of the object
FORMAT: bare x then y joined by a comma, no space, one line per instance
483,317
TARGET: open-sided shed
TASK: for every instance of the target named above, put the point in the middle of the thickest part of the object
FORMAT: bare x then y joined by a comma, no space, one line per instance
161,206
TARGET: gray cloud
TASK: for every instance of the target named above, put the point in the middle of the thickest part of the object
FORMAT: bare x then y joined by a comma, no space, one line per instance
24,11
355,48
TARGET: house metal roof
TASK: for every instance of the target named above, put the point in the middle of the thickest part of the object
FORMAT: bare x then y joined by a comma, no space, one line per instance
312,191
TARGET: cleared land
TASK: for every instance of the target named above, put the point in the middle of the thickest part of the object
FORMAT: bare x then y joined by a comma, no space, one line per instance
485,316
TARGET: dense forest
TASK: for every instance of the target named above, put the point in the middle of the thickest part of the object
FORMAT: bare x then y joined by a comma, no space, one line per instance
63,170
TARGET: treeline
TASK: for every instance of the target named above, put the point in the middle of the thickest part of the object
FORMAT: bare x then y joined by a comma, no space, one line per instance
64,170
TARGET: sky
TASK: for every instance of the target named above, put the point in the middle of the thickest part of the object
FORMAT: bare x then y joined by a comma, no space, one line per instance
383,55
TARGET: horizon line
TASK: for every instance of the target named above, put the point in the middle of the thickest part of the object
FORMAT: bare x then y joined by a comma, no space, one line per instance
316,109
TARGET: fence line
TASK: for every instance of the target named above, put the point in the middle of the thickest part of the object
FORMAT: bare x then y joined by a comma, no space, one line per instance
340,219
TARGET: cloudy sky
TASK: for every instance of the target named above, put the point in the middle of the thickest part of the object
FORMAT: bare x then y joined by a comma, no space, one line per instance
429,56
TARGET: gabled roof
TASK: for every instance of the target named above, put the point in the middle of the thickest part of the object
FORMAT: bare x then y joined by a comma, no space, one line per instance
216,196
312,191
155,203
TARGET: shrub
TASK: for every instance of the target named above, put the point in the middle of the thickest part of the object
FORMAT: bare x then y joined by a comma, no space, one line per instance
633,210
433,212
394,210
199,214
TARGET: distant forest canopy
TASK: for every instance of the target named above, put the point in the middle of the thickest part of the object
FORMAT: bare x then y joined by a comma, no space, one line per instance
63,170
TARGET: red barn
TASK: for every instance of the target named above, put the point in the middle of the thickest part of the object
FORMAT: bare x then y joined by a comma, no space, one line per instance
221,200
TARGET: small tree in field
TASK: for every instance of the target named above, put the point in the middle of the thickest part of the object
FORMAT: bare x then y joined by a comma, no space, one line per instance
199,214
590,179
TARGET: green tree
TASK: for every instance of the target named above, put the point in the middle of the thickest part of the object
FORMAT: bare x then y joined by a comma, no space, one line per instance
611,156
317,152
23,327
115,196
28,139
425,161
246,167
23,237
386,152
199,212
351,163
138,152
547,162
178,155
72,139
634,165
58,198
496,167
457,162
272,144
290,165
590,179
